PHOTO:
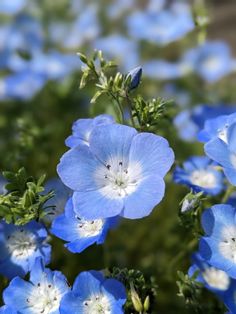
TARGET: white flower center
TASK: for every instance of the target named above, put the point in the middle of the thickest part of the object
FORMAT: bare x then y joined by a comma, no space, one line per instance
222,133
97,304
89,228
203,178
216,278
212,63
21,244
227,245
44,298
118,178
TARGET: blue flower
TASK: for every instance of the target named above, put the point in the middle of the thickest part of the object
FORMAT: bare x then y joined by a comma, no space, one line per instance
92,293
62,194
218,246
223,151
162,70
11,7
214,279
120,173
200,174
216,128
80,233
42,294
187,129
23,85
53,65
120,48
161,25
82,128
20,246
211,60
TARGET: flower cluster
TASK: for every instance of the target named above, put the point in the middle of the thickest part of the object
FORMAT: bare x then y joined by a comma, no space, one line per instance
214,263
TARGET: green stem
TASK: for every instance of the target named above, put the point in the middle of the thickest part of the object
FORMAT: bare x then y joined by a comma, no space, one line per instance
227,194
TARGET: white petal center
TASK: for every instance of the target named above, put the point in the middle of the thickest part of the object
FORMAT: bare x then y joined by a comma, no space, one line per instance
97,304
203,178
227,245
216,278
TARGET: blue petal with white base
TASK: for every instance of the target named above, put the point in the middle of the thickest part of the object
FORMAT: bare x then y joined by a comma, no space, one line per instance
78,232
200,174
93,293
42,294
218,246
20,246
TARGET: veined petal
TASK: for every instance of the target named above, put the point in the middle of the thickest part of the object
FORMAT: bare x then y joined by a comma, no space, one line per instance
148,194
109,141
76,169
95,204
152,152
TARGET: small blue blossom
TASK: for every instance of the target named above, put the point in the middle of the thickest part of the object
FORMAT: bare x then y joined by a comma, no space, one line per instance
42,294
216,128
20,246
218,246
82,128
211,60
93,293
120,48
214,279
223,151
62,194
200,174
120,173
80,233
118,7
161,23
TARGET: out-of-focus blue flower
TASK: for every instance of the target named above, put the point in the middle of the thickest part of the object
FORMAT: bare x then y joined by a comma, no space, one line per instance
23,85
180,96
161,25
200,174
211,60
120,173
84,29
93,293
216,128
12,6
80,233
25,34
218,246
62,193
20,246
121,48
162,70
214,279
223,151
187,129
190,122
82,128
54,65
42,294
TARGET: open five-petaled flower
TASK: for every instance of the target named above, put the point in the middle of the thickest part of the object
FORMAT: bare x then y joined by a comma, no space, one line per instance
120,173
